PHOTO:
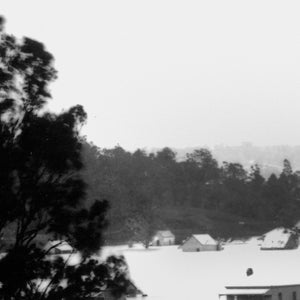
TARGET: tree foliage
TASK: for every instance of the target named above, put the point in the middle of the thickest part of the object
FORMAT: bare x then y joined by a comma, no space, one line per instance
41,190
155,182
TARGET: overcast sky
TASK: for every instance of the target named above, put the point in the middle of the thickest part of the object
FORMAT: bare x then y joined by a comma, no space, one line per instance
172,73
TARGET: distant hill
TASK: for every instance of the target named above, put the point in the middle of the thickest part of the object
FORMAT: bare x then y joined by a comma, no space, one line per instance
269,158
156,192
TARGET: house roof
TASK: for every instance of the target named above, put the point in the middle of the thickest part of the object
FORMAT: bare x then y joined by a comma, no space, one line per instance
261,279
205,239
60,245
245,291
277,238
165,233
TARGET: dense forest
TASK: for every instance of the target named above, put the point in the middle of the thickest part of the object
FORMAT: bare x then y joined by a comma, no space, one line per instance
145,189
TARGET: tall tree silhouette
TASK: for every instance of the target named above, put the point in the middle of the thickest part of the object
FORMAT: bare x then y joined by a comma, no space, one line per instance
40,187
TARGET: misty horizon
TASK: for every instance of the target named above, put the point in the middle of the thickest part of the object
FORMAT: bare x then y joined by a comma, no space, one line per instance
206,73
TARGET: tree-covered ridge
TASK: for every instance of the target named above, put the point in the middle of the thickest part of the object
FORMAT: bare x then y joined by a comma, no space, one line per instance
140,185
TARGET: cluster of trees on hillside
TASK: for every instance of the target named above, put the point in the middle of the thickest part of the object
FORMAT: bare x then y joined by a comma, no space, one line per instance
140,184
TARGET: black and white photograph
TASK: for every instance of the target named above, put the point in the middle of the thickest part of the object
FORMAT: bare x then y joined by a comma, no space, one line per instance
149,150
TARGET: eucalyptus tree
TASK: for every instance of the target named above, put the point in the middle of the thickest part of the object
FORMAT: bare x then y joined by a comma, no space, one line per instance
41,191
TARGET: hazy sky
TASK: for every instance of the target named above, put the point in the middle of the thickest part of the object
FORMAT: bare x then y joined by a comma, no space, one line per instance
172,73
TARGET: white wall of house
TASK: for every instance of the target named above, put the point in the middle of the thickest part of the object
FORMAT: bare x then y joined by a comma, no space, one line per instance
167,241
286,292
159,240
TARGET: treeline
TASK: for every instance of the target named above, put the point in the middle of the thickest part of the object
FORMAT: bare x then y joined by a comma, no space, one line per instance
139,184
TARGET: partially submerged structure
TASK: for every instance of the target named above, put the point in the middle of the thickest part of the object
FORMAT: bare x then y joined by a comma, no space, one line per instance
279,239
261,292
236,241
200,242
261,287
163,238
59,247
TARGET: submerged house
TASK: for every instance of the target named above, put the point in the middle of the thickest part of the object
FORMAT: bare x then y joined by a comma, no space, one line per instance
200,242
163,238
261,292
240,241
280,239
262,286
59,247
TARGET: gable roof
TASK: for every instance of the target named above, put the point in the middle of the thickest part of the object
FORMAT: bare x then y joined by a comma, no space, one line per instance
277,238
59,245
165,233
205,239
245,291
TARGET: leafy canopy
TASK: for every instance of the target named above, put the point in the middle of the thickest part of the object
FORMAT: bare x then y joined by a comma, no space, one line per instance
41,191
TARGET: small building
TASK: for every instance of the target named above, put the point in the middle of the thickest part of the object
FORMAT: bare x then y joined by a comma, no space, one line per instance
200,242
59,247
240,241
163,238
279,239
261,292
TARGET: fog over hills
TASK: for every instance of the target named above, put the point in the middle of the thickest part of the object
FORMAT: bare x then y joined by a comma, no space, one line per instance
269,158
